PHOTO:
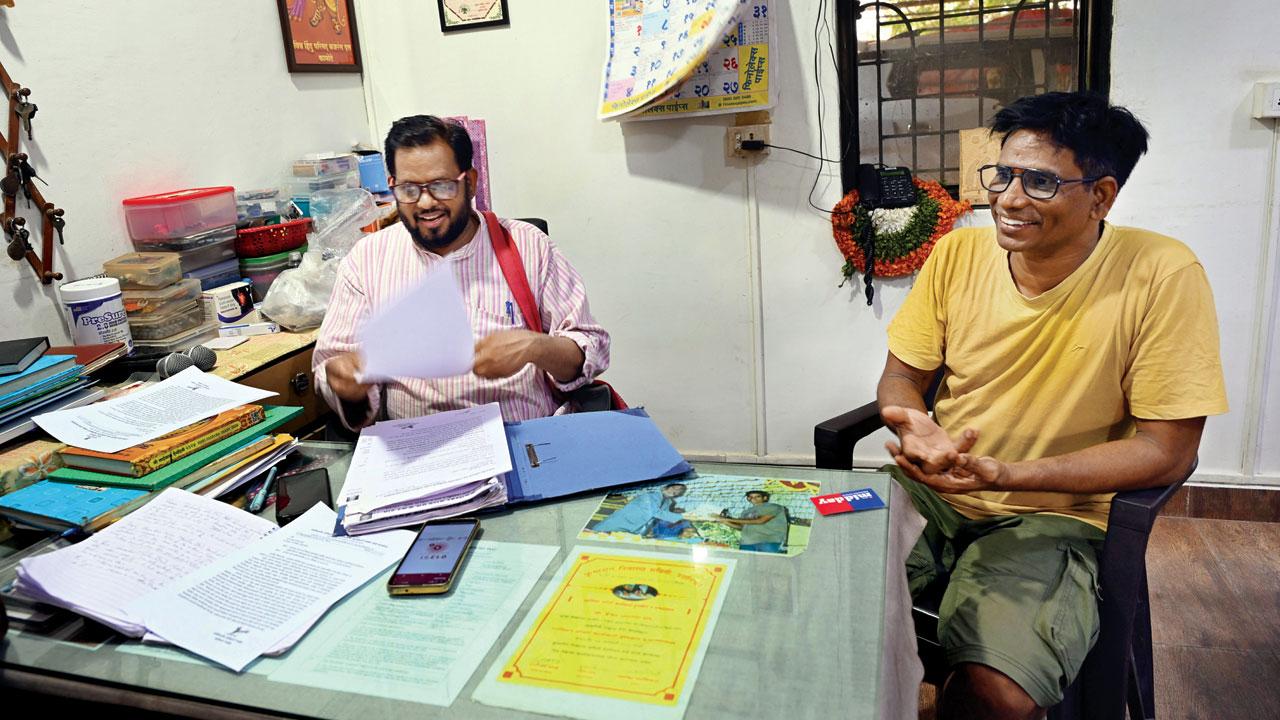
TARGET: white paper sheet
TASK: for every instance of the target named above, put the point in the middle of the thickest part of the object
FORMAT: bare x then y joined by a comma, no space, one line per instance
236,609
403,460
439,640
169,537
424,334
146,414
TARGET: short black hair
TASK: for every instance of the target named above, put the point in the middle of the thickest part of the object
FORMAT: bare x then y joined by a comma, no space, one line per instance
758,492
420,130
1106,139
674,484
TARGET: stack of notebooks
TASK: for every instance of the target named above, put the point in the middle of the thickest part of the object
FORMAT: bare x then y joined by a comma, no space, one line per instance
35,378
212,457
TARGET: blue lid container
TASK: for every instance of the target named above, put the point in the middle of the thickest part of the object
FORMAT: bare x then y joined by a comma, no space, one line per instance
216,275
373,171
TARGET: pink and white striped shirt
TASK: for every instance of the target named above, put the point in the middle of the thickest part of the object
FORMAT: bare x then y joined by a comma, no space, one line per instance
388,263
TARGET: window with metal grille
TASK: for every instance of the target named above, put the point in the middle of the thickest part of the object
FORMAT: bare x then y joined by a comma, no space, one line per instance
914,73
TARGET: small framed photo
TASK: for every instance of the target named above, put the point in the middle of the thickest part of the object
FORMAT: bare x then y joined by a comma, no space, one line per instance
471,14
320,35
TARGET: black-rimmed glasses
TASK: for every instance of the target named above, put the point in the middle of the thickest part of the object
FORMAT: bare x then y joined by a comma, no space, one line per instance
411,192
1037,184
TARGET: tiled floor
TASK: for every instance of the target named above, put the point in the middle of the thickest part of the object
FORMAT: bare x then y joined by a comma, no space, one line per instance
1215,615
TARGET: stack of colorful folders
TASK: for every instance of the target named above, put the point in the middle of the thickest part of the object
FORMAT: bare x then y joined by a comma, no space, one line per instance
212,456
33,382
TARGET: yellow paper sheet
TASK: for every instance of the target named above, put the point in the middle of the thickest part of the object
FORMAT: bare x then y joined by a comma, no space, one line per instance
623,627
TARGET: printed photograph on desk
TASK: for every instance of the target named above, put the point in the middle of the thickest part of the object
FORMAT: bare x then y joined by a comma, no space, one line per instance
729,512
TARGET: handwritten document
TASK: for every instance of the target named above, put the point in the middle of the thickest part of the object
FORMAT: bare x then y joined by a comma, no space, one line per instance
172,535
424,334
146,414
619,635
234,610
438,641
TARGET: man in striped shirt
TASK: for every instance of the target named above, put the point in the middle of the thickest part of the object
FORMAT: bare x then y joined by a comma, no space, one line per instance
429,161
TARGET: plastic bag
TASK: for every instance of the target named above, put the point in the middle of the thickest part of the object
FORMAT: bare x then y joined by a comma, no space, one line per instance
298,297
336,219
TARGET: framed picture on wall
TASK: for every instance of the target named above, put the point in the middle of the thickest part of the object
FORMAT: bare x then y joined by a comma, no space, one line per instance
470,14
320,35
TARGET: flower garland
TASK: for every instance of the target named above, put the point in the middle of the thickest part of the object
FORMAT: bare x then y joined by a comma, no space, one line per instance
904,236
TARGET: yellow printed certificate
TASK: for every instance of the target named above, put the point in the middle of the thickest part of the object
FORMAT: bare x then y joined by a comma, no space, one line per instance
627,628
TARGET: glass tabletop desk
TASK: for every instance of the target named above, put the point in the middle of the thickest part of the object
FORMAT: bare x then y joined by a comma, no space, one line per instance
803,636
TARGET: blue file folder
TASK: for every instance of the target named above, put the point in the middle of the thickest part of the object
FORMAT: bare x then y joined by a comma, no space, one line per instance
566,454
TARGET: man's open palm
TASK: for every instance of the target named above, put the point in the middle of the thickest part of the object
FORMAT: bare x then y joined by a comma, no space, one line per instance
923,441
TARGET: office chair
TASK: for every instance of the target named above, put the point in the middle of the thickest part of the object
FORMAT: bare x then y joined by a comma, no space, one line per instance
1118,671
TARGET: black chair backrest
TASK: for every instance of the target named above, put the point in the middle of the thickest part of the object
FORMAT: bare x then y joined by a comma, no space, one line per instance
538,223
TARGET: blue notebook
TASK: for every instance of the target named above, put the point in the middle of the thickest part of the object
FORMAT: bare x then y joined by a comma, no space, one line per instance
17,397
60,506
42,369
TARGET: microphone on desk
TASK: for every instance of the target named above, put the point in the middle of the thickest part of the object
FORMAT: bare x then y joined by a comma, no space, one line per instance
196,356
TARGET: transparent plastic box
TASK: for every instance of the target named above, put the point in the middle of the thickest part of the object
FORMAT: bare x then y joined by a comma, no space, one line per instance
143,270
185,243
263,271
217,275
163,325
176,343
207,255
179,213
264,203
164,301
306,187
325,164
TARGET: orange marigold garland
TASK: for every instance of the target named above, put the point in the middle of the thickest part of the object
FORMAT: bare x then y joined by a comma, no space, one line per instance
903,249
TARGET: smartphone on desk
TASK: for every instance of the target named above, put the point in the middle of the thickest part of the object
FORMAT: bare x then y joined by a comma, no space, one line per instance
433,559
298,493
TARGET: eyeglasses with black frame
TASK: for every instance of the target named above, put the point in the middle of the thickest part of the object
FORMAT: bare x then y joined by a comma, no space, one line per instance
1037,184
411,192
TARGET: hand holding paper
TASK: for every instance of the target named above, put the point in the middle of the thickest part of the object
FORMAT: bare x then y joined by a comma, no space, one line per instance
424,334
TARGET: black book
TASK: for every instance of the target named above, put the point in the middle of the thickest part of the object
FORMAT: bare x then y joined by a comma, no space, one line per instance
17,355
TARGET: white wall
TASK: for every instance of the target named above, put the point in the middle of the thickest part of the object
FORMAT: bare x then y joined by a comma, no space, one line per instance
664,228
148,96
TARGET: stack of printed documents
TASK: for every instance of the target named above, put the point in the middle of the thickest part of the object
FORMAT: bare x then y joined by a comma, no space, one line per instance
404,472
192,571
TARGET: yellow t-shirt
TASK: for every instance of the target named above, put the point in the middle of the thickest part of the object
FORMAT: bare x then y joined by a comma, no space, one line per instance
1132,333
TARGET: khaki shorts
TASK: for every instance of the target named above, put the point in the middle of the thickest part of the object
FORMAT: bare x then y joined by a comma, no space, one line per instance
1021,590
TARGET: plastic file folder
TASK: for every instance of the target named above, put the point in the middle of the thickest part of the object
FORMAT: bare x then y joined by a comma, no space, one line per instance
566,454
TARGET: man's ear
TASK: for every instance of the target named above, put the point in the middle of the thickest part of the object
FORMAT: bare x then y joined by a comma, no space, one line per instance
1104,194
473,180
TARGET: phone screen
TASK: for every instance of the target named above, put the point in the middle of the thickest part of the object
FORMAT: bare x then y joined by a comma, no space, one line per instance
296,494
435,553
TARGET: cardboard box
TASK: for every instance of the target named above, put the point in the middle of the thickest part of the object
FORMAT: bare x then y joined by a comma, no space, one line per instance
229,303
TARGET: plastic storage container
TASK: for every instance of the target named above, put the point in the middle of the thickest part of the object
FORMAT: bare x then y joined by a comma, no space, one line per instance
207,255
147,303
164,346
97,311
268,202
325,164
373,171
227,271
162,325
307,186
183,243
180,213
263,271
144,270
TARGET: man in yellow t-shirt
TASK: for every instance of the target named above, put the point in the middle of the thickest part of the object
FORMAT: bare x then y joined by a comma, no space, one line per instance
1078,359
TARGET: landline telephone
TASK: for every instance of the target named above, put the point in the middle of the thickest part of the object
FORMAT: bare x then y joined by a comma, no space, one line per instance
880,187
885,187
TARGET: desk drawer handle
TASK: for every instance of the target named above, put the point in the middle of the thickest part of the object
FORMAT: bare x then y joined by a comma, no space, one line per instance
300,383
